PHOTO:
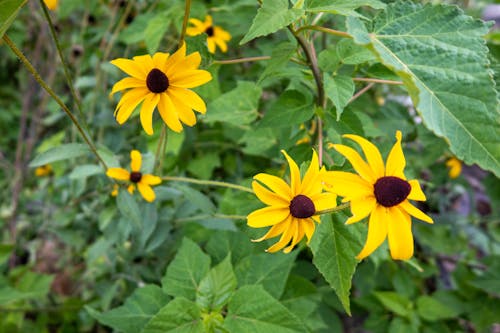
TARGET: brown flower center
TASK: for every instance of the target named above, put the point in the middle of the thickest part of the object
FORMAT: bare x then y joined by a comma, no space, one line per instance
391,191
135,177
209,31
157,81
302,207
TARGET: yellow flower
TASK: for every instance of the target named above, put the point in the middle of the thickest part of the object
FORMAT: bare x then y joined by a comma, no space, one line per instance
114,192
381,191
164,81
455,166
216,35
143,182
291,208
51,4
44,170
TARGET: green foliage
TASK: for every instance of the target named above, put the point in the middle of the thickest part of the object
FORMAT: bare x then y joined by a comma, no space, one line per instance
60,153
10,9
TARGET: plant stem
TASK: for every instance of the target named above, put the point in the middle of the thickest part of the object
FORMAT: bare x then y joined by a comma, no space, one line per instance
221,216
207,182
42,83
367,79
326,30
238,61
335,209
361,92
187,9
64,65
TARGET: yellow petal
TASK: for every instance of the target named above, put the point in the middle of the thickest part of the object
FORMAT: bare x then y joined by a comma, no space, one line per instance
190,78
160,59
126,83
146,191
372,154
174,59
275,230
268,197
135,161
416,192
347,184
455,166
297,237
51,4
222,34
267,216
399,234
211,45
182,64
275,184
414,211
361,208
208,21
309,228
357,163
129,103
193,31
150,180
131,68
324,201
396,160
312,183
186,115
118,173
221,44
285,237
146,62
197,23
188,97
295,183
377,231
169,113
131,188
146,113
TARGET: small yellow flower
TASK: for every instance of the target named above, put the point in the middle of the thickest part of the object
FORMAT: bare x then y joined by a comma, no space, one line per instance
44,170
455,166
381,191
291,208
216,36
161,81
51,4
114,192
143,182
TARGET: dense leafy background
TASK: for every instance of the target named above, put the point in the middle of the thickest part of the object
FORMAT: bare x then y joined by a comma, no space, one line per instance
75,259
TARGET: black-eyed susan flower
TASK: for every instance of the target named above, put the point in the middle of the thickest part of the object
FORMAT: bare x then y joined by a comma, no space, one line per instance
135,177
51,4
44,170
216,36
161,81
292,209
381,192
455,166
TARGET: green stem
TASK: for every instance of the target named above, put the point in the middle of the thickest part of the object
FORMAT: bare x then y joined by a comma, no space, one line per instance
207,182
368,79
64,64
42,83
326,30
239,61
187,9
221,216
335,209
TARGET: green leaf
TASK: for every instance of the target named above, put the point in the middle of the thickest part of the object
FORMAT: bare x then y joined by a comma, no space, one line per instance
30,286
335,247
128,208
237,107
431,309
186,271
197,199
351,53
179,316
252,309
236,243
216,288
269,271
339,89
84,171
394,302
155,30
137,310
291,108
272,16
342,7
5,251
9,11
279,59
60,153
489,281
441,56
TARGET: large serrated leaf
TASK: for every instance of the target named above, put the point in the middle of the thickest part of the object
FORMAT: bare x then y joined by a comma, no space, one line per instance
186,271
342,7
137,310
252,309
272,16
334,247
339,89
441,56
60,153
179,316
9,11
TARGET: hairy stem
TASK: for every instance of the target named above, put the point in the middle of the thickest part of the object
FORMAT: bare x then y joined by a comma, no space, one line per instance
325,30
239,61
335,209
207,182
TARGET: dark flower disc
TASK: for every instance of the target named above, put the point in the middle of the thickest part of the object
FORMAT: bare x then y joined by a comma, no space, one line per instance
209,31
391,191
157,81
302,207
135,177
